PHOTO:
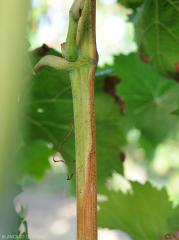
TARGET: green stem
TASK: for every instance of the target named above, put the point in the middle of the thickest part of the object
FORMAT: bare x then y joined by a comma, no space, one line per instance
86,32
80,62
71,51
82,81
85,145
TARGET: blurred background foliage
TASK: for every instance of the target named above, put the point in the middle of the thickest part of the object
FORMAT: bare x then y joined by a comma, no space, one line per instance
145,139
151,154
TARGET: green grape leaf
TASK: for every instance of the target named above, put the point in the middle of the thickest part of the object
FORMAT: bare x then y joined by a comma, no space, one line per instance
149,98
157,36
131,3
32,159
47,110
145,214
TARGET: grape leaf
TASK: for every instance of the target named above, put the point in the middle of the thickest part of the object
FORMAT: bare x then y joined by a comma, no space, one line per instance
157,35
47,110
131,3
32,159
145,214
149,98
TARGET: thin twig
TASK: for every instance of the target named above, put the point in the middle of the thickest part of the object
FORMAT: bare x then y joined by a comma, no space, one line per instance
60,148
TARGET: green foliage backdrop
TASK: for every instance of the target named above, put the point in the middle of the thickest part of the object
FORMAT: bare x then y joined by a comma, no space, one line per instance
157,35
132,96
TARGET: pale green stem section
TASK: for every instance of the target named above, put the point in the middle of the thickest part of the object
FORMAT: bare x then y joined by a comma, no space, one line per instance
80,89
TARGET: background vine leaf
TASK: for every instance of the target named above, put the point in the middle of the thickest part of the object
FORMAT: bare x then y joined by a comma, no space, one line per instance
149,99
145,214
32,160
157,36
131,3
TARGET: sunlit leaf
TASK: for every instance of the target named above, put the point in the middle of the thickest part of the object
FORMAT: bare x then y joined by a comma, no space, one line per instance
145,214
32,159
157,35
131,3
149,98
